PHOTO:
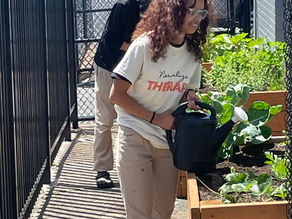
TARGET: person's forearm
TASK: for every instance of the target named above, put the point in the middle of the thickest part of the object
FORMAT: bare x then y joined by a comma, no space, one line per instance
124,46
120,97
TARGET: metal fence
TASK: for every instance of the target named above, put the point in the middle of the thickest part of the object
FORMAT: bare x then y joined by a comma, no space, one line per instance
35,110
288,40
232,16
91,15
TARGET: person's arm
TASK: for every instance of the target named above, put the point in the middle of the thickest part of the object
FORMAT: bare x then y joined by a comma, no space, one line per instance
116,22
122,23
125,46
120,97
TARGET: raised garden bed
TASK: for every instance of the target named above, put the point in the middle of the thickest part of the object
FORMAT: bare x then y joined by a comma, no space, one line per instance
204,204
212,209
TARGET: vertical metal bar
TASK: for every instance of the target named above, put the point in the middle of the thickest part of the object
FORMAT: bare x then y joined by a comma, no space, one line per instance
73,60
84,19
231,18
67,84
47,171
246,16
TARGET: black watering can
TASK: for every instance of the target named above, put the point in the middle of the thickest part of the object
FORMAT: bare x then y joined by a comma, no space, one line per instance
197,139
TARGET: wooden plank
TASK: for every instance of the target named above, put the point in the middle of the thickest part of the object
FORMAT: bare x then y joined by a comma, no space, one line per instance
210,202
255,210
182,185
193,197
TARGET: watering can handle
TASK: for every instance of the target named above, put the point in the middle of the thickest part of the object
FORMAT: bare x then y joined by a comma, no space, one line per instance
181,109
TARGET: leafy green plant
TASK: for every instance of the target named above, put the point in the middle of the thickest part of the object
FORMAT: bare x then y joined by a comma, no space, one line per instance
252,186
238,59
278,165
253,131
217,45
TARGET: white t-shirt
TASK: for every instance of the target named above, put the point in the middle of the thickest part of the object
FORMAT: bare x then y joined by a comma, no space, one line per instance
158,86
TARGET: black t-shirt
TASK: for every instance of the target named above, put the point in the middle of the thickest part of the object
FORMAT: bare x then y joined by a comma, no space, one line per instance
119,27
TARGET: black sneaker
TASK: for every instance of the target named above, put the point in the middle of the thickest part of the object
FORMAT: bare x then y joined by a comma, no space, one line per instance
103,180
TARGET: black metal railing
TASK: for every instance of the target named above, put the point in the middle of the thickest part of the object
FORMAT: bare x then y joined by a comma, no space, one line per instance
7,164
37,74
59,118
30,105
288,40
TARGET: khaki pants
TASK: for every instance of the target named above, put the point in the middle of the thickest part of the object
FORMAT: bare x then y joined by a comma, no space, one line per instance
148,178
104,117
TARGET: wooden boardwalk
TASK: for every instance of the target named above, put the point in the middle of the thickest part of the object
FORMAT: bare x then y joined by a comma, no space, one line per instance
73,192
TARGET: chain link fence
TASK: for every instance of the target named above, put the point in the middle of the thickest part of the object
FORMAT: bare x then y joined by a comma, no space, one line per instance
288,40
232,16
90,18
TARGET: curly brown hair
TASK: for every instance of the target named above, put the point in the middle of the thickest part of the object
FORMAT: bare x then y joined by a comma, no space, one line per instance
162,20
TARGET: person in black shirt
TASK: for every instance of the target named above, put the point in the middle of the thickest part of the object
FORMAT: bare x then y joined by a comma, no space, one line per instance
115,40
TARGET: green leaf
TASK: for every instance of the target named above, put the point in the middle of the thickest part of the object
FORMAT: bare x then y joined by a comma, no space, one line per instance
266,132
206,99
256,42
231,96
230,198
275,109
239,187
234,178
269,155
218,106
227,113
264,182
245,94
258,113
238,37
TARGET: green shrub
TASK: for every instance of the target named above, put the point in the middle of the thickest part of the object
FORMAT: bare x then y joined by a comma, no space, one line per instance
237,59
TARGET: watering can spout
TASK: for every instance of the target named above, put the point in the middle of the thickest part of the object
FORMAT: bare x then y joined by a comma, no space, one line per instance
222,132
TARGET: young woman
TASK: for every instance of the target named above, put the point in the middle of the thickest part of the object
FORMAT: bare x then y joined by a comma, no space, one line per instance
160,69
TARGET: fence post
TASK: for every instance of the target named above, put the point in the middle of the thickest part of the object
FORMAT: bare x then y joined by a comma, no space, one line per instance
72,62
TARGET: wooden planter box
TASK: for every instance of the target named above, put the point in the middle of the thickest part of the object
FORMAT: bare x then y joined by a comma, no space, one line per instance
277,124
214,209
207,66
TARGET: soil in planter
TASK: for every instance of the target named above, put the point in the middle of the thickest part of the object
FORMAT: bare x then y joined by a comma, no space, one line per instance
246,158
